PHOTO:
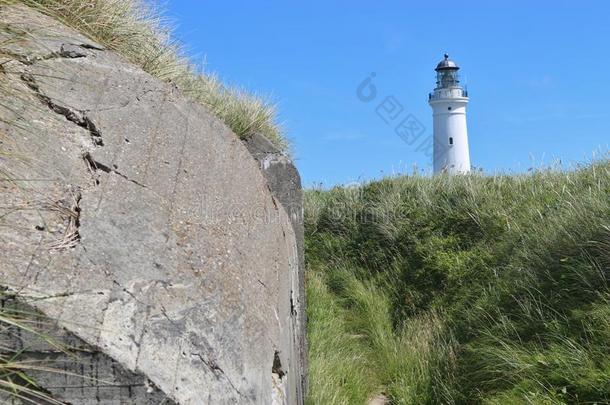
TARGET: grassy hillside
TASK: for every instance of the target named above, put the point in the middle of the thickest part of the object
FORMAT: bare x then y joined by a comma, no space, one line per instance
132,29
473,289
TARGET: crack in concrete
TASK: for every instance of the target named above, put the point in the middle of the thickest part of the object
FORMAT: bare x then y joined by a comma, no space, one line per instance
77,117
276,368
94,165
63,53
126,291
218,372
29,299
293,311
80,118
90,46
71,235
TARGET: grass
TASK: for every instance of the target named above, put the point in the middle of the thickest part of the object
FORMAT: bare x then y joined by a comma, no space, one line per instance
132,29
467,290
338,359
16,384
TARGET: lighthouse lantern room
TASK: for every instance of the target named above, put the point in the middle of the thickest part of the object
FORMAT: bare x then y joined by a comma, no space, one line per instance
448,102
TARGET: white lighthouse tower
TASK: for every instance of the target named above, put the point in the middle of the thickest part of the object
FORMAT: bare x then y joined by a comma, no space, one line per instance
448,102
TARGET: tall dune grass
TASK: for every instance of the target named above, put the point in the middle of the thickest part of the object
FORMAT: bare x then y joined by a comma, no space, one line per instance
472,289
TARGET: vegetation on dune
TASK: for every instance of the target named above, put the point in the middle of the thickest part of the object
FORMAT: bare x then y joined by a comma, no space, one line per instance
133,30
469,289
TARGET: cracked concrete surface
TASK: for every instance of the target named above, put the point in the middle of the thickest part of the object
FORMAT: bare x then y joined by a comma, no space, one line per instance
84,376
285,184
77,117
173,261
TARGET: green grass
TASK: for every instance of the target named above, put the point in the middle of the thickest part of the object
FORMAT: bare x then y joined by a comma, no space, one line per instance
471,289
135,31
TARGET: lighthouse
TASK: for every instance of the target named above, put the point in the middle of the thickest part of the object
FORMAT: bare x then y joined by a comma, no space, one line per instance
448,102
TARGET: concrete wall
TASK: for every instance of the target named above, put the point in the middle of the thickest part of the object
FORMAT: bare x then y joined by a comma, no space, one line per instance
285,185
142,226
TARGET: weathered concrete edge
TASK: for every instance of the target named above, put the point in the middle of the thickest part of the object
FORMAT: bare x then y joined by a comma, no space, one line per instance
284,182
59,349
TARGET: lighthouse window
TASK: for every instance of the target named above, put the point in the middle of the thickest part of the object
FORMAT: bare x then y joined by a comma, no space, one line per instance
447,78
449,108
450,141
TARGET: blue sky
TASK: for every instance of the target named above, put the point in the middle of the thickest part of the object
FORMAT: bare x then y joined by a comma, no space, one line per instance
537,73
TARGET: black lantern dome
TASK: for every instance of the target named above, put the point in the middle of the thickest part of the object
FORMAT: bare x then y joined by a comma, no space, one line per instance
447,64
